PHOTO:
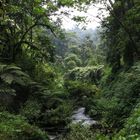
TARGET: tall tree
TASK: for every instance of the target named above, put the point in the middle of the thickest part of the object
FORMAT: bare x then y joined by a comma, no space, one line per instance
121,32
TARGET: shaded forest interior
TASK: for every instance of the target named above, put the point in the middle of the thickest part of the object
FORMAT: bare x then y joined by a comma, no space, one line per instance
47,72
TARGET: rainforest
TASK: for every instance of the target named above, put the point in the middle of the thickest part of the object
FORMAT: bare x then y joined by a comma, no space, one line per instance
69,84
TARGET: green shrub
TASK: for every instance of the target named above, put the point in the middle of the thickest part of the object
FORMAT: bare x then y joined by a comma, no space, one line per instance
71,64
44,74
72,57
59,116
13,86
86,74
131,130
31,110
15,127
79,89
47,107
120,96
80,132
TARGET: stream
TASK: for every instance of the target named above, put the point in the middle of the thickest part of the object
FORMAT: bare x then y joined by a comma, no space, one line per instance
78,116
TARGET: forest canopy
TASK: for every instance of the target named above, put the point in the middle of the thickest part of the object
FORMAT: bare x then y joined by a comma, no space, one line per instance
50,75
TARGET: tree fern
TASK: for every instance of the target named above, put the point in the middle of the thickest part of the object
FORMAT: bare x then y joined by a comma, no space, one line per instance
5,89
12,74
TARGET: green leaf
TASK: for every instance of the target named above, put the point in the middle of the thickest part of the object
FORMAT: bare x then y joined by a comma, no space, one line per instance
38,10
8,78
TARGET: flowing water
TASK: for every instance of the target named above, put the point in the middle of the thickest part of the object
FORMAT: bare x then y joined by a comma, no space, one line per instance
78,116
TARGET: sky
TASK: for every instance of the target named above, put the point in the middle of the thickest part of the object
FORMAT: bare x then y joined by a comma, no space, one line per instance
92,13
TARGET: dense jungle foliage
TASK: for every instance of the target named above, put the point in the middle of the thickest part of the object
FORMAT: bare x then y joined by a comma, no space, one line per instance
46,72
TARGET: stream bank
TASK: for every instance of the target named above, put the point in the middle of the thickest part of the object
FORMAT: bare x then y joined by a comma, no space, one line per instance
78,116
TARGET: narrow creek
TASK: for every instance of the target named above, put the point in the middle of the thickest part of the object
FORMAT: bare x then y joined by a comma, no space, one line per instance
78,116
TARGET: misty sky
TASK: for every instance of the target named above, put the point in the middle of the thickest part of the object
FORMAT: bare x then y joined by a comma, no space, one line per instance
91,17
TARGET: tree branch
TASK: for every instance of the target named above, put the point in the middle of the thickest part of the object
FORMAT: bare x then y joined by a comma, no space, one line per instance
33,47
30,28
30,44
34,25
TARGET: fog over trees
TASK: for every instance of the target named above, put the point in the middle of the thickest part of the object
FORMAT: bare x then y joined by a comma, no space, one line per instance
77,83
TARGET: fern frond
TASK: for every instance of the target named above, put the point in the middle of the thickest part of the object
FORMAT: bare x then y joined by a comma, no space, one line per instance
7,77
13,74
7,90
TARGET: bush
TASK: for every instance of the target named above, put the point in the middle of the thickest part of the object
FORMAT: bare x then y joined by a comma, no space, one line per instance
31,110
85,74
15,127
71,64
59,116
72,57
47,107
131,130
79,89
120,96
44,74
13,86
80,132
